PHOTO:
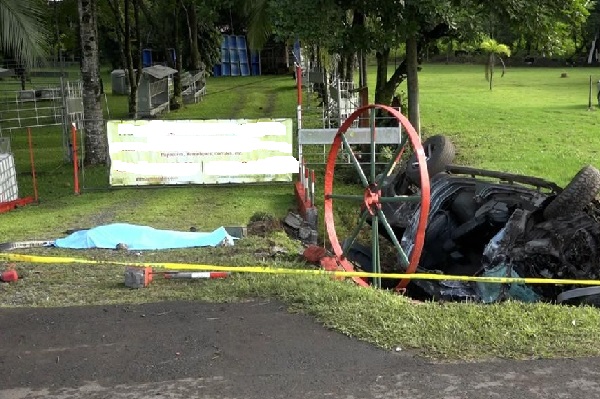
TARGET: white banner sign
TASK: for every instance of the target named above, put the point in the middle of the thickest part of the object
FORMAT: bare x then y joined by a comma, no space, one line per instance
148,152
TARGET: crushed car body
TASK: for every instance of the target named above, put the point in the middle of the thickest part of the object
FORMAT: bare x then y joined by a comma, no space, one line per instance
490,223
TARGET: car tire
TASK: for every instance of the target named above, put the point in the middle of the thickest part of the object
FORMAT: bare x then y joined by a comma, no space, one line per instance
439,151
579,192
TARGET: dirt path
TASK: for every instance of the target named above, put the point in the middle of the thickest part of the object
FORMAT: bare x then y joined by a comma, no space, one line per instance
248,350
270,107
238,105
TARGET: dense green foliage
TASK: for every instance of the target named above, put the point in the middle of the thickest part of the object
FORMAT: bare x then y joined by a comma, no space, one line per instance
22,31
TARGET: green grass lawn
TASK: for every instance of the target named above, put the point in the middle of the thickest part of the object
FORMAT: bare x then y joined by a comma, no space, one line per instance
244,98
533,122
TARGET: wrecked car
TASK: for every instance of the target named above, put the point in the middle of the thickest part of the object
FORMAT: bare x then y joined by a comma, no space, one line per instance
490,223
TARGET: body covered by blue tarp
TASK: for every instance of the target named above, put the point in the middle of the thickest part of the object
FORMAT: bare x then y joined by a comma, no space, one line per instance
142,237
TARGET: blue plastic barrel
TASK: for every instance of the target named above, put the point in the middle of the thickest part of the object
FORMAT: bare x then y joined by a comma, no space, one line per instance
146,57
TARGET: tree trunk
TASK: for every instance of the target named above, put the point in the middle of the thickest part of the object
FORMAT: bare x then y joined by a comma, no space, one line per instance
23,78
116,10
341,71
319,59
384,88
131,69
178,62
363,69
358,23
412,82
137,61
381,77
492,61
95,139
192,18
349,75
449,50
122,53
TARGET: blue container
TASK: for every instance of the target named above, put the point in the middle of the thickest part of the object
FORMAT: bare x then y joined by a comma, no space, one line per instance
234,56
245,70
146,57
243,56
225,55
225,69
235,69
255,69
254,56
231,43
217,70
241,42
224,42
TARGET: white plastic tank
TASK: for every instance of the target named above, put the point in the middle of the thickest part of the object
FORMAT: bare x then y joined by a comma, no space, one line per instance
120,82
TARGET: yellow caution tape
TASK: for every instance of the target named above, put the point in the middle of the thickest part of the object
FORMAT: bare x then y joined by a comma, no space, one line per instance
10,257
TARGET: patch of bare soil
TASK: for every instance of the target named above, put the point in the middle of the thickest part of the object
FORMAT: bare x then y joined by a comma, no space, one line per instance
263,225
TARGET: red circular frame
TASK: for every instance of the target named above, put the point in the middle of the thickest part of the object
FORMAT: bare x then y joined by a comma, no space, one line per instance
374,199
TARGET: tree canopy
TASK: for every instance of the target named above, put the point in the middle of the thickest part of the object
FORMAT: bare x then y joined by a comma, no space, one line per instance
23,35
344,28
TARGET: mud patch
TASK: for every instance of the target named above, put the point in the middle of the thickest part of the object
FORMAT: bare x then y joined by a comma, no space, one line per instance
263,224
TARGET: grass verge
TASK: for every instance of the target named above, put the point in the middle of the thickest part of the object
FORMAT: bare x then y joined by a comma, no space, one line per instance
448,331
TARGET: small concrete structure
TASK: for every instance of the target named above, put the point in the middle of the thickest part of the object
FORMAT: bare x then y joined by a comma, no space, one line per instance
155,91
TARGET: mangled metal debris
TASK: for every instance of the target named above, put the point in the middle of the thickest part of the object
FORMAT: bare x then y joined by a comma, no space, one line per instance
489,223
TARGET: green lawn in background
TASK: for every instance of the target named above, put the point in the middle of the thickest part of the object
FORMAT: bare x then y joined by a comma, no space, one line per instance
244,98
533,122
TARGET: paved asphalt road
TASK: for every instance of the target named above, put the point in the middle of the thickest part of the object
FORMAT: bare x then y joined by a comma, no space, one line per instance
249,350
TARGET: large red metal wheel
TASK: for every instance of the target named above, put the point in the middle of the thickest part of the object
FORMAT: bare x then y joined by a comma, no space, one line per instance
371,199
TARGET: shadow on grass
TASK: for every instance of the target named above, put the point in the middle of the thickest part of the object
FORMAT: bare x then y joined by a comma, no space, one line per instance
284,88
574,107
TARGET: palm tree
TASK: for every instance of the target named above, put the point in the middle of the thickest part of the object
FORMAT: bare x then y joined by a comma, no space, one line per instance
259,24
22,34
493,50
96,146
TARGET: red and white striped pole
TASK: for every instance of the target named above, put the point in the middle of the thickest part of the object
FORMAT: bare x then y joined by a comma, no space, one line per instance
305,184
312,187
75,160
299,92
208,275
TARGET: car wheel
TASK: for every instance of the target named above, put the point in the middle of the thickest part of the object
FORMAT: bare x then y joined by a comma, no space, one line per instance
579,192
439,152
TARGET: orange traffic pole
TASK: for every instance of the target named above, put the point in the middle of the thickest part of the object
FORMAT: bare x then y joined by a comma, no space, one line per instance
75,160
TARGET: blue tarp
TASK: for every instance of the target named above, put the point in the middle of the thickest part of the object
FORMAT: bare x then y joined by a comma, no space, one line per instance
141,237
